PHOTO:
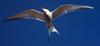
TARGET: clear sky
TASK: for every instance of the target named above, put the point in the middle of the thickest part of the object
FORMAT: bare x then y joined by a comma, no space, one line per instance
79,28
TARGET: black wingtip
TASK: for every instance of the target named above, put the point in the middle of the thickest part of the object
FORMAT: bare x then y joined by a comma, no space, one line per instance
6,20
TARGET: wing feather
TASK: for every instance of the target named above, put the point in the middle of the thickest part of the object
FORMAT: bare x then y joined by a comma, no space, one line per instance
68,8
32,13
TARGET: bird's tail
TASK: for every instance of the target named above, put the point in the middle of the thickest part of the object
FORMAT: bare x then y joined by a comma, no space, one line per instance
52,29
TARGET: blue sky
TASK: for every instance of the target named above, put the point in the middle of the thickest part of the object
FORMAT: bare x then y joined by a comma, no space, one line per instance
79,28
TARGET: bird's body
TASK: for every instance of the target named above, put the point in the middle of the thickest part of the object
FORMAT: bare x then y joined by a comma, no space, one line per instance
47,16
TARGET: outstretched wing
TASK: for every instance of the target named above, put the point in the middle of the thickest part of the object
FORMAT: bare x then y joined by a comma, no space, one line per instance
27,14
68,8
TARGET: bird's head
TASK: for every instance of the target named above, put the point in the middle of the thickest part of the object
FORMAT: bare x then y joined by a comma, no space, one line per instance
45,10
49,13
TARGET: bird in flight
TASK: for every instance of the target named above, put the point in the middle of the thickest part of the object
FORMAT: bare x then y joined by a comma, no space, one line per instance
47,16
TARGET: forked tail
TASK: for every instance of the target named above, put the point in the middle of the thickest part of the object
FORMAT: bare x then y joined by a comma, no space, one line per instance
52,29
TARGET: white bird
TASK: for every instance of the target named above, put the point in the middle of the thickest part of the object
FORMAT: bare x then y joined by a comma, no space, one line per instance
47,16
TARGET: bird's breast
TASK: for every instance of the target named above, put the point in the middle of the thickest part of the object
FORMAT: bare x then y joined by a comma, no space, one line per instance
50,15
